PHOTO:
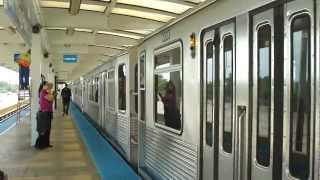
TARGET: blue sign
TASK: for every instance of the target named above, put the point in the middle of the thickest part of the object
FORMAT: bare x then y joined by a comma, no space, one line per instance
70,58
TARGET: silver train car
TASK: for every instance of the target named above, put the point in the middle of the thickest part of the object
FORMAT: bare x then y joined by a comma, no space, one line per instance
228,92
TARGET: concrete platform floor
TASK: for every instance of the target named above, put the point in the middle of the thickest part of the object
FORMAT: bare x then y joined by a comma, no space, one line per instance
66,160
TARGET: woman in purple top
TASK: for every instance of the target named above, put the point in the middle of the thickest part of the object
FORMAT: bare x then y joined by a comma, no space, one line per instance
45,116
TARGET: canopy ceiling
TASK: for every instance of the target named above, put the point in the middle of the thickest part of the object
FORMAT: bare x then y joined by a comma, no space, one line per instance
95,29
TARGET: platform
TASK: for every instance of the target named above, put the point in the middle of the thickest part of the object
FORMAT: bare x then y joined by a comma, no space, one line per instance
68,159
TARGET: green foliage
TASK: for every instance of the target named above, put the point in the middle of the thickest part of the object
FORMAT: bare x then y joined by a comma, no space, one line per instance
6,87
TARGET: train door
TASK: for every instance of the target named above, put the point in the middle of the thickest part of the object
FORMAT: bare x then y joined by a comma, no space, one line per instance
103,98
220,147
141,105
111,99
299,91
210,103
227,150
267,94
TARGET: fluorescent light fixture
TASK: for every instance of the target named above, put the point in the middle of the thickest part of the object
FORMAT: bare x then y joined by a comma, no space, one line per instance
55,4
120,34
107,46
2,28
93,7
196,1
83,30
56,28
157,4
1,2
146,15
127,46
141,31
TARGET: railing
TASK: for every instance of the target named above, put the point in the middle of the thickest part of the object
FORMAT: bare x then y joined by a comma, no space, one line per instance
9,111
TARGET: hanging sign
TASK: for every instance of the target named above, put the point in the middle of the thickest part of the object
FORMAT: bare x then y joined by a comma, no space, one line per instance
70,58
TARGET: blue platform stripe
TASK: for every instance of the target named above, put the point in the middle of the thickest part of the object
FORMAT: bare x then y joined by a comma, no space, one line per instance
11,121
107,161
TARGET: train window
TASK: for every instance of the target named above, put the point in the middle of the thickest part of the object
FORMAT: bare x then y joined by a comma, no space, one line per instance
142,70
209,91
228,94
142,85
122,78
96,89
169,101
167,58
300,100
168,89
264,95
91,90
136,88
111,89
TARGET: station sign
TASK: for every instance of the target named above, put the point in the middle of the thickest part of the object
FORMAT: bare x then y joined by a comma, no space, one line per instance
70,58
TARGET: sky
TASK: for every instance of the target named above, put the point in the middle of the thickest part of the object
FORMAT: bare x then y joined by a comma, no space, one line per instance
9,75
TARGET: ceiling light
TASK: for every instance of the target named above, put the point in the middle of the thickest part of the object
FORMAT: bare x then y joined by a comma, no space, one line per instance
56,28
141,31
106,46
93,7
83,30
120,34
54,4
142,14
156,4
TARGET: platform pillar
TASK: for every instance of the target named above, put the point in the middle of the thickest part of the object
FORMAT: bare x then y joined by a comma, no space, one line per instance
36,61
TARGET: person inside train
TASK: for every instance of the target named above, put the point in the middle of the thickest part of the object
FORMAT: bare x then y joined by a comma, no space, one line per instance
44,118
66,96
171,111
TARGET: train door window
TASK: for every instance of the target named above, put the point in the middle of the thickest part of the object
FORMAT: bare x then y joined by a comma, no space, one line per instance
96,89
228,94
122,78
264,95
300,100
210,66
142,84
111,90
168,87
136,88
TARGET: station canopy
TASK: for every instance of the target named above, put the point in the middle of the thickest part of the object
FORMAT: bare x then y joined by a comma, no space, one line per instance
94,30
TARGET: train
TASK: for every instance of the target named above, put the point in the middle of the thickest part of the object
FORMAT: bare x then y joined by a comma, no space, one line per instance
229,91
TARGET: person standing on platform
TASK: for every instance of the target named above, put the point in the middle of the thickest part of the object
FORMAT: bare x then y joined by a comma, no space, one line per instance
66,97
23,61
45,116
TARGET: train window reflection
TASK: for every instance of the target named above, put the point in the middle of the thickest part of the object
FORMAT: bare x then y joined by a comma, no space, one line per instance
142,70
168,99
209,91
228,94
300,105
264,95
111,89
136,88
122,77
168,80
142,85
167,58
